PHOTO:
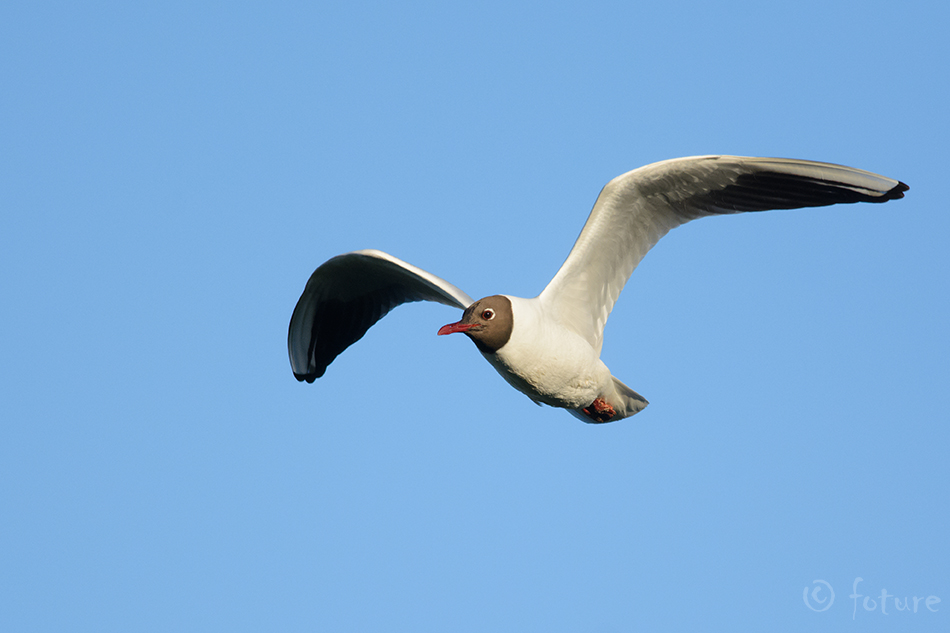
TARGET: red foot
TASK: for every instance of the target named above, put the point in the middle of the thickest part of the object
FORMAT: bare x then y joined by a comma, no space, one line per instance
599,411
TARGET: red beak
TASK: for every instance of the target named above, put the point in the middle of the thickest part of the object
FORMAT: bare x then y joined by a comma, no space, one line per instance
452,328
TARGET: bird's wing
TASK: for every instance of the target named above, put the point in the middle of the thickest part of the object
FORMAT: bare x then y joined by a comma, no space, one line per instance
346,296
636,209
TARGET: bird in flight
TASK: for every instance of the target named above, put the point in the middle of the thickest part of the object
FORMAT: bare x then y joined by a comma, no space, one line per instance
548,347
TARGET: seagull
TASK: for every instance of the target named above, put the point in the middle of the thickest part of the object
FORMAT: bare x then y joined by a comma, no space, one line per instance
548,347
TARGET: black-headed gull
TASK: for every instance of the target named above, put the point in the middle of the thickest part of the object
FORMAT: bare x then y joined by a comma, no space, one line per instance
549,347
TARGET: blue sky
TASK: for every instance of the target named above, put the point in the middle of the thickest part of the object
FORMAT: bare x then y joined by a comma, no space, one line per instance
172,173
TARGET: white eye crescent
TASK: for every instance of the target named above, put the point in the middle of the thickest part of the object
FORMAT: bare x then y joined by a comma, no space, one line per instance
488,314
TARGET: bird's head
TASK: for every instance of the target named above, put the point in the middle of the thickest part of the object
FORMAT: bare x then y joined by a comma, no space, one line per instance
487,322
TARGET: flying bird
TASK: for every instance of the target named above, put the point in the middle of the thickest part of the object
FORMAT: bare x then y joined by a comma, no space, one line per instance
548,347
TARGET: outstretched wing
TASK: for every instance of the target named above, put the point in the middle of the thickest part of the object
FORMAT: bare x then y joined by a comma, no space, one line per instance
346,296
636,209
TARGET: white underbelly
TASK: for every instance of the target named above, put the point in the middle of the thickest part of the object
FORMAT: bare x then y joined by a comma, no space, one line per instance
566,374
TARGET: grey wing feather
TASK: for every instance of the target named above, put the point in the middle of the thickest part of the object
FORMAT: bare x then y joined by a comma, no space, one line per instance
636,209
345,296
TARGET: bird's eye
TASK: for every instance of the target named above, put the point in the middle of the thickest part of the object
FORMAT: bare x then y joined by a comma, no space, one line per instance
488,315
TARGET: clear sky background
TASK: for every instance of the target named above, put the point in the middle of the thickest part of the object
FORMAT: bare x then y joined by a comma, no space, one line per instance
171,174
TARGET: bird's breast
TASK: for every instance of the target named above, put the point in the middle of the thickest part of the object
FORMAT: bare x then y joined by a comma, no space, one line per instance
548,362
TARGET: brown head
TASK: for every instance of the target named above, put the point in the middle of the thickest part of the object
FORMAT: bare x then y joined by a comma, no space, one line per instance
487,322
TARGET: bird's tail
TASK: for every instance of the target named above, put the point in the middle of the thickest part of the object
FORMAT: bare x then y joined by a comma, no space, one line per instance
611,407
630,401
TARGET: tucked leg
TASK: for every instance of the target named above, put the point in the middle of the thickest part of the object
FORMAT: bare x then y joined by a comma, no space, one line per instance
599,411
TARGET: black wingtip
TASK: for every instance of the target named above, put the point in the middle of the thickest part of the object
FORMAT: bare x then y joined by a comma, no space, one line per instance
308,377
896,192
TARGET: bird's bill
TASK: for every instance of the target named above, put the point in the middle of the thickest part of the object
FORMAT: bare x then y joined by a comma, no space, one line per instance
452,328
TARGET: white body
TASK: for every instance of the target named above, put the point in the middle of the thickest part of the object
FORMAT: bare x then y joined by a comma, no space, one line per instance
549,362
